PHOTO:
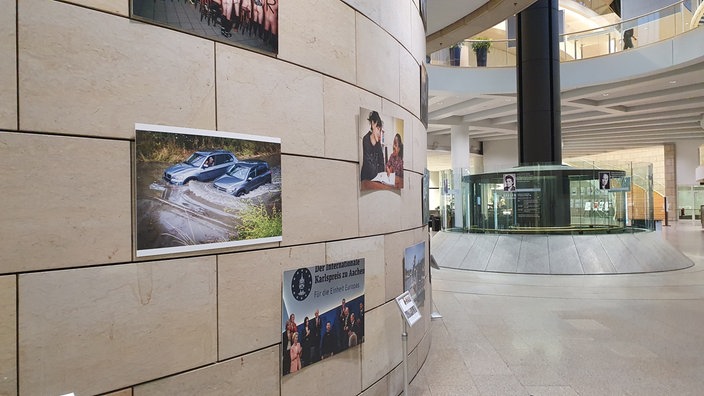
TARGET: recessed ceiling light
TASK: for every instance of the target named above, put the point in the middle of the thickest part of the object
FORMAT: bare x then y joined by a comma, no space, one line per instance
673,81
605,94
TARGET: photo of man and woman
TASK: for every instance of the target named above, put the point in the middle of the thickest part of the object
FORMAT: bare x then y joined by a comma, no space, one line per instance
381,154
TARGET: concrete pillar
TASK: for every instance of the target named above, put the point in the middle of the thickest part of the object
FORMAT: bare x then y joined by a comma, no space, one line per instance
538,85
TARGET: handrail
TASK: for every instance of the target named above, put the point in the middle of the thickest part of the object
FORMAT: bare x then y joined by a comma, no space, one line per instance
697,16
603,40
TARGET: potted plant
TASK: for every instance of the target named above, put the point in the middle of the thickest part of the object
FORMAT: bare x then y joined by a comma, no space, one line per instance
481,46
455,52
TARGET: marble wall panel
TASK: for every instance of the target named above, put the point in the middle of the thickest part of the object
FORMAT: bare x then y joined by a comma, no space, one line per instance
380,211
417,48
371,9
372,250
8,336
108,73
8,65
410,85
382,349
379,388
319,200
65,209
263,96
340,374
98,329
394,247
418,147
378,59
249,295
115,7
411,213
123,392
322,40
253,374
396,19
342,104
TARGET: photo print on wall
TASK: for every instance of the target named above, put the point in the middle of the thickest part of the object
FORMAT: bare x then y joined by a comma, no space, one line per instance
322,313
199,189
414,272
381,151
251,24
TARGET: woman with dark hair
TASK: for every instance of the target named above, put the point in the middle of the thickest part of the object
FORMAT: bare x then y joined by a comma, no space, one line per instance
395,163
372,154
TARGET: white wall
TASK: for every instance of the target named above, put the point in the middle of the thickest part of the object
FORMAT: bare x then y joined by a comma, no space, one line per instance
500,154
687,160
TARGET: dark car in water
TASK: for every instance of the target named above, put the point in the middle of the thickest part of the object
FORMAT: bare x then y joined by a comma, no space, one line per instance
202,166
244,177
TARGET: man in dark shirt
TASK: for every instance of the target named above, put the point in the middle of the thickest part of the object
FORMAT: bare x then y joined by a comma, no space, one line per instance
372,154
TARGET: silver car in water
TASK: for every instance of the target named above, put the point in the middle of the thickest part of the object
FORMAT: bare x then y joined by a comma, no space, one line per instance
202,166
244,177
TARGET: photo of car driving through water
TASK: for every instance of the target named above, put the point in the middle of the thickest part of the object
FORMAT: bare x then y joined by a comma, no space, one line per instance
178,206
244,177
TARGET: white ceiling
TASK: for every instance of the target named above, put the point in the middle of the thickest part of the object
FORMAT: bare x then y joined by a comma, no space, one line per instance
660,107
450,21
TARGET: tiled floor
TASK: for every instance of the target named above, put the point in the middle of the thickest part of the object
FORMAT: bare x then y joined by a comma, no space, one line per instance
508,334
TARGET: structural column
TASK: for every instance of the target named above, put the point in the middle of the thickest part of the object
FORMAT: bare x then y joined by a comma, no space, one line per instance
539,115
538,80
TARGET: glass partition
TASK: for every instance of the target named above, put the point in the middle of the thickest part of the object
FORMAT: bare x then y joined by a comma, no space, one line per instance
690,200
550,199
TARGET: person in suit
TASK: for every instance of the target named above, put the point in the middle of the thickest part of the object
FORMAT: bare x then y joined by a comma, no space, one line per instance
316,329
329,342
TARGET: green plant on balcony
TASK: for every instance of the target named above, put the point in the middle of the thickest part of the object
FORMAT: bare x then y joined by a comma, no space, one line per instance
455,51
481,43
481,46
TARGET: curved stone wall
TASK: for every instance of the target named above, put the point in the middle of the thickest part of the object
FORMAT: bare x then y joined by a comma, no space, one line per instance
80,314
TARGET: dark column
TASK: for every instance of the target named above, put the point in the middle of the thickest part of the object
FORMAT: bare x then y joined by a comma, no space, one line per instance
538,68
538,79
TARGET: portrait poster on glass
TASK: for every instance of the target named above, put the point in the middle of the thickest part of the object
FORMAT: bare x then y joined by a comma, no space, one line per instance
251,24
322,313
510,182
604,180
414,272
200,189
380,151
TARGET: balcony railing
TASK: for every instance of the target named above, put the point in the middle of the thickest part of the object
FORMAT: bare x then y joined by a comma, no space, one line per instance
659,25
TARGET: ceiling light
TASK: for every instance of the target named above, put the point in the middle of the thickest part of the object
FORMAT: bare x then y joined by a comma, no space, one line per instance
605,94
673,81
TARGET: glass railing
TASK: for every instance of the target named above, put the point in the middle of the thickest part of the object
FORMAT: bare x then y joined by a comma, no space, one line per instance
551,199
659,25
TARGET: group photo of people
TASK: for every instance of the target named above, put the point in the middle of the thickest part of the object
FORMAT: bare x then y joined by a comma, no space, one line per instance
381,151
322,336
247,23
